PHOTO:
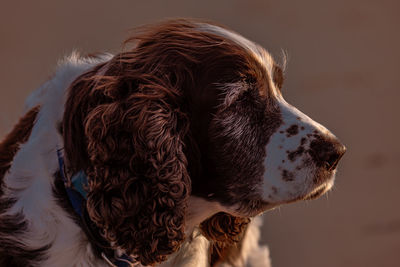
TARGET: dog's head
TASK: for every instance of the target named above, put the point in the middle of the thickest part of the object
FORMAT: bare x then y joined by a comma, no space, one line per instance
193,111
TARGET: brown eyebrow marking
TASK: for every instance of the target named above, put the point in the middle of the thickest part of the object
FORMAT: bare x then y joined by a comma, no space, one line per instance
277,76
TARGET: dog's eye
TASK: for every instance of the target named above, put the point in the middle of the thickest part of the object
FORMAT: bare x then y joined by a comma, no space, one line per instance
277,77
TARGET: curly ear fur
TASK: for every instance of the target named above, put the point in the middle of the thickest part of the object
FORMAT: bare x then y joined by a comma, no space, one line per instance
225,232
138,179
133,130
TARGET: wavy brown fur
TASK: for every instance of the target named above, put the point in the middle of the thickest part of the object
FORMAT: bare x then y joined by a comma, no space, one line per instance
225,233
11,143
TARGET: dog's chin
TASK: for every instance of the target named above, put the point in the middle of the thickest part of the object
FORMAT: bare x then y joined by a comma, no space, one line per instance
325,181
314,193
321,188
317,192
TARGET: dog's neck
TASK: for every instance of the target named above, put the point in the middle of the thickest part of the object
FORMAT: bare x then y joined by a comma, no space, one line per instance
199,209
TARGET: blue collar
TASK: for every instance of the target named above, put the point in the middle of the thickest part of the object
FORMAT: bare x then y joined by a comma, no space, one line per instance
77,195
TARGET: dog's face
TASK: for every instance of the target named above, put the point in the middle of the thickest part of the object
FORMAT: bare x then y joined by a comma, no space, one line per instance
263,152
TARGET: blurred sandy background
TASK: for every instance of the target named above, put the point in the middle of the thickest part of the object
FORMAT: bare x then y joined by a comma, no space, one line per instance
343,72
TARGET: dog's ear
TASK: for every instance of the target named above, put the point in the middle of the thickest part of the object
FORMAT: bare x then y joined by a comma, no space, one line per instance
132,132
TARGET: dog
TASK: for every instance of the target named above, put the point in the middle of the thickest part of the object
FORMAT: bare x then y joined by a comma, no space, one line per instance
158,155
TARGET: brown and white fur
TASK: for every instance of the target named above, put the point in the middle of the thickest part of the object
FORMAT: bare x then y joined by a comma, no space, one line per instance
184,138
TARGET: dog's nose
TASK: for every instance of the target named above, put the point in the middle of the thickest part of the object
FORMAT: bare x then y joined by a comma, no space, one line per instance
326,152
334,157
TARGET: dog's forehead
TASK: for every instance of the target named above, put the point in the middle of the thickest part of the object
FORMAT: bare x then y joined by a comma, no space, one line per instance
260,54
256,51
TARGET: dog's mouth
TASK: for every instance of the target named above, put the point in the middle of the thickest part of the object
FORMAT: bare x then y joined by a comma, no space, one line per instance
317,192
320,190
251,209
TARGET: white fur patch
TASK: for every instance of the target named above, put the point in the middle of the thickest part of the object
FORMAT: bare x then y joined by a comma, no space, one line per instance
194,252
31,176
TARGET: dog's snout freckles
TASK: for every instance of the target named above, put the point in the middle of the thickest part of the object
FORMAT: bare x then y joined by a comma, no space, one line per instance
302,157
